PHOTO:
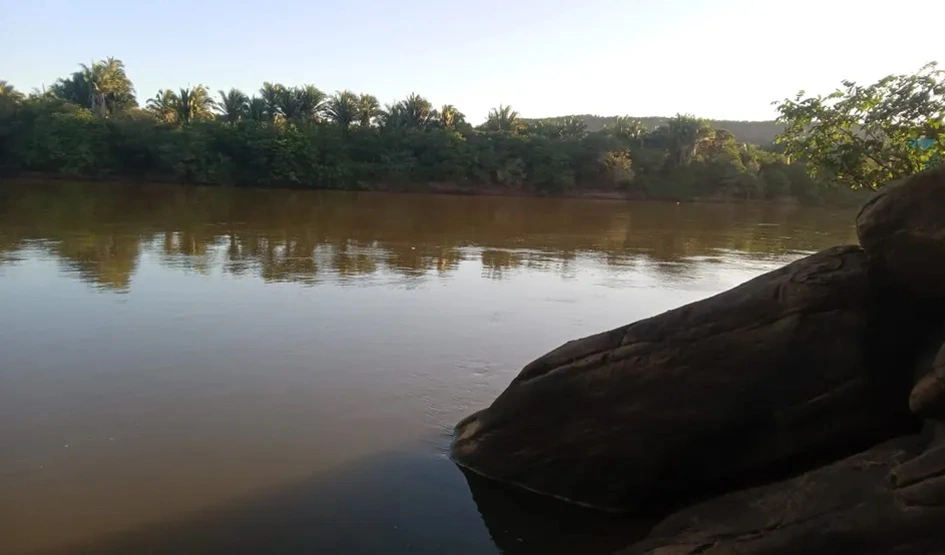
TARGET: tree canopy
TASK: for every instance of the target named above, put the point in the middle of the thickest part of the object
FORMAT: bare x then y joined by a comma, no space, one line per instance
101,86
88,124
868,135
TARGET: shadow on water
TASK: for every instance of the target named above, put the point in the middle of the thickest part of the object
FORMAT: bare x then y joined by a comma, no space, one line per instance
520,522
396,502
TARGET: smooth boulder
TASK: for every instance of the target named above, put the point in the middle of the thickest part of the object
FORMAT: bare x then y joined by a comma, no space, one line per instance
792,369
902,230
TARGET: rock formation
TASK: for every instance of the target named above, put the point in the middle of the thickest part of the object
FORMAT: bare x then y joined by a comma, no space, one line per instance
902,230
790,406
928,396
884,500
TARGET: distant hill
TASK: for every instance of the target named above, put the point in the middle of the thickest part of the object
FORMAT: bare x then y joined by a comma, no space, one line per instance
755,132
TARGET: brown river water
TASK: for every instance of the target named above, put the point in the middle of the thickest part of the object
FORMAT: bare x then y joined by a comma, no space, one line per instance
188,370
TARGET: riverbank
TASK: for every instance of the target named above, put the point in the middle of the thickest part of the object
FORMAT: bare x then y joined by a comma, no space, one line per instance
56,137
846,199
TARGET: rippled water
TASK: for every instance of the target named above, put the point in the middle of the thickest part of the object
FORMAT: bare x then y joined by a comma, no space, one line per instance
190,370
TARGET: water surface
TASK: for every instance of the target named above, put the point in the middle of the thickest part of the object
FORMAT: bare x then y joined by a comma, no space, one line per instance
188,370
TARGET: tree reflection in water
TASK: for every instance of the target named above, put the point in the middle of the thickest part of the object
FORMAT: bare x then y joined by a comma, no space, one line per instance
99,231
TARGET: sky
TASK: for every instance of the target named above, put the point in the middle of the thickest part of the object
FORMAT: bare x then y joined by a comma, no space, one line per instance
720,59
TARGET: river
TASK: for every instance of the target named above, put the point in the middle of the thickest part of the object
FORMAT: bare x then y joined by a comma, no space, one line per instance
190,370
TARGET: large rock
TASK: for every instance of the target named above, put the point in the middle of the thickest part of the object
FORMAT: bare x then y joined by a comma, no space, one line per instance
799,366
902,229
928,396
885,500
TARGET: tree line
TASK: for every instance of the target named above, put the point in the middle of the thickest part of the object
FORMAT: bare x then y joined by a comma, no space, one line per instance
763,133
89,124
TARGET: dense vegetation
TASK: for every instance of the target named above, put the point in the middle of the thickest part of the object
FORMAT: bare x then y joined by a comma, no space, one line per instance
761,133
865,136
89,124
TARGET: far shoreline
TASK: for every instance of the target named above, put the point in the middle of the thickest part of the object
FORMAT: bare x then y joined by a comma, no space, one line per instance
429,188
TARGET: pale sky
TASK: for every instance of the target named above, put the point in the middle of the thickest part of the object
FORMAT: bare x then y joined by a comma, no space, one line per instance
721,59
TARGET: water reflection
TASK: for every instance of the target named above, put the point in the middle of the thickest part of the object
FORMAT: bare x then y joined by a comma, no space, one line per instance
262,364
100,231
105,259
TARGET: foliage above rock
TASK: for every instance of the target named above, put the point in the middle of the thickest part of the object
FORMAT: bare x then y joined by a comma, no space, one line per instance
867,135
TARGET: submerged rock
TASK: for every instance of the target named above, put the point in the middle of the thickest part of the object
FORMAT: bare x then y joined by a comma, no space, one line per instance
902,229
783,373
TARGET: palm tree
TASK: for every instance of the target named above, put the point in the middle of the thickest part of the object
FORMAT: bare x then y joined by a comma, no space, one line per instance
573,128
342,108
233,105
504,118
9,92
73,89
9,97
685,133
295,104
102,86
391,116
311,102
287,104
450,117
568,127
368,109
164,105
194,104
628,128
270,94
418,112
544,128
257,110
414,112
